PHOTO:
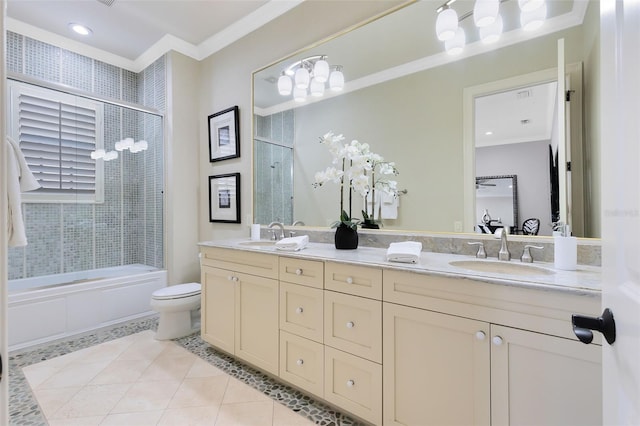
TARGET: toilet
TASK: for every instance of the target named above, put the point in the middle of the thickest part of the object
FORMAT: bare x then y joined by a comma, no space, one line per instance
179,308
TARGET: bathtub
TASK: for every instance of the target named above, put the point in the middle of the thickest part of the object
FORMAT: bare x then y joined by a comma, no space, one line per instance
46,308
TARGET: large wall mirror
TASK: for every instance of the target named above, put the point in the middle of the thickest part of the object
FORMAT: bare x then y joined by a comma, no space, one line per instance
404,96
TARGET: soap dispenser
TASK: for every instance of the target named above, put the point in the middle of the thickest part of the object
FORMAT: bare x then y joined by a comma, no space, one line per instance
565,249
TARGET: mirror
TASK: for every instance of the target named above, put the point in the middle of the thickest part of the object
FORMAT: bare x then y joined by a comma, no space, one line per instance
403,96
496,203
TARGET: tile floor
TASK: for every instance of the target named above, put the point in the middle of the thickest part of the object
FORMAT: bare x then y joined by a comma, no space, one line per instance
183,382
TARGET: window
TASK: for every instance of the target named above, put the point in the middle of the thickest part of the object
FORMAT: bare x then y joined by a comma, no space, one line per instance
57,133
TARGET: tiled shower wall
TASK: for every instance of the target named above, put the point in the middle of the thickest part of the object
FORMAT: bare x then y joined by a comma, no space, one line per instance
273,171
127,227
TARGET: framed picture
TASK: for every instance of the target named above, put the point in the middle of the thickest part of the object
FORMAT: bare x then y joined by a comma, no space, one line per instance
224,198
224,139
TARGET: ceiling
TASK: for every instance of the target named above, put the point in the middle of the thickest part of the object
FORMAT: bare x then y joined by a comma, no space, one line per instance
133,33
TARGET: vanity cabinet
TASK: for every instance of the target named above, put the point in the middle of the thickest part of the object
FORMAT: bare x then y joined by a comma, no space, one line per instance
469,368
240,305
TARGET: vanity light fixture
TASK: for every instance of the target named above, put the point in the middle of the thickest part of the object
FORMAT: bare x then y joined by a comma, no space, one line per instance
310,76
80,29
531,20
127,143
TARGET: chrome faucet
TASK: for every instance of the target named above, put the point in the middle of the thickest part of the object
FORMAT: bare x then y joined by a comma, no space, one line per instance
504,253
298,222
275,234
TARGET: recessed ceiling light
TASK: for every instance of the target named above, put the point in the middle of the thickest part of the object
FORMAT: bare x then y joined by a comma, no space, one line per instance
489,133
80,29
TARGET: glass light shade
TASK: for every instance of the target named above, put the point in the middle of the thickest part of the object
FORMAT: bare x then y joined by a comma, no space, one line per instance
321,71
127,143
491,34
285,85
446,24
98,153
336,81
533,20
299,95
529,5
455,45
316,88
302,78
485,12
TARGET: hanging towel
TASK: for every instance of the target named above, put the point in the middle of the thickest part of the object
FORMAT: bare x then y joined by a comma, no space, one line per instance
19,179
405,252
389,206
293,243
376,207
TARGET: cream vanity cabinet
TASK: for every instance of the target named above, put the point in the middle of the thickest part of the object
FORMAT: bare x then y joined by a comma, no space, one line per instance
458,351
240,304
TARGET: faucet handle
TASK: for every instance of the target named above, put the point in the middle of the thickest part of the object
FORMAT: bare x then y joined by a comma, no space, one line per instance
526,253
274,235
481,254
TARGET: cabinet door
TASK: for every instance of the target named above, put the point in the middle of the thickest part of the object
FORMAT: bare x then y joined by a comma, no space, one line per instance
436,368
257,321
537,379
218,308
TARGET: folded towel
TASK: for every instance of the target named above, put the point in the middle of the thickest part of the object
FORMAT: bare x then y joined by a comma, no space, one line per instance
405,252
293,243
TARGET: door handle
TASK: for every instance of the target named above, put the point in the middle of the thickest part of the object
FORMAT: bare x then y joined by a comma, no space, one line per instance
605,324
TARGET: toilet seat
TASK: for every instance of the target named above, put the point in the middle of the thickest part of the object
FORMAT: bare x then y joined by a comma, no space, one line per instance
177,291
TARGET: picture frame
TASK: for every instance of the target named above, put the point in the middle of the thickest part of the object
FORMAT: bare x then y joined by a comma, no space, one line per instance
224,198
224,137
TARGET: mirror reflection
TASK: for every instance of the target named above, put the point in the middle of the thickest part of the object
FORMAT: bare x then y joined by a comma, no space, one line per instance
403,96
497,203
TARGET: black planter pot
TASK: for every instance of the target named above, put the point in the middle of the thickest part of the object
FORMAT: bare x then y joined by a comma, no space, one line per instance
346,238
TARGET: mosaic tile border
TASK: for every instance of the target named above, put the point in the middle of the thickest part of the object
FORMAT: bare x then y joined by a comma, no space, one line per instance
25,411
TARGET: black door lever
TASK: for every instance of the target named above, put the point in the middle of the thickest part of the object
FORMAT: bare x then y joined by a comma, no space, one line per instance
605,324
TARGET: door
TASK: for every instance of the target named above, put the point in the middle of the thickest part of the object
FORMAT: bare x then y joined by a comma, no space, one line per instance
218,307
436,368
620,149
4,387
562,376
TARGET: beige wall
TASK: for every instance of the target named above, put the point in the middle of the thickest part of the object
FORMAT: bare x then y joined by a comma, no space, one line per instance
226,81
182,179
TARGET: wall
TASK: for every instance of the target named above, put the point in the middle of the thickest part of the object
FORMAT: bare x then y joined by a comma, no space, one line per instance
227,80
127,227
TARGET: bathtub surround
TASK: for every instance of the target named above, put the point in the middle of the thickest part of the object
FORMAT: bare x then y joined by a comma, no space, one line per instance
25,410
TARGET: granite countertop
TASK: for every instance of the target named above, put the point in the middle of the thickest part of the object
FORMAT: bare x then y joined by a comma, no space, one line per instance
585,280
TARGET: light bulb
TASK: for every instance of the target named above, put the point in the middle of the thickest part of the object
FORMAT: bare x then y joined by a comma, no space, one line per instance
533,20
485,12
316,88
285,85
446,24
529,5
299,95
336,80
302,78
455,45
321,71
491,34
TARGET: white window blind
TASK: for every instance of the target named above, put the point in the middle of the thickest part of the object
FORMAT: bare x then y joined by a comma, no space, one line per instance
57,133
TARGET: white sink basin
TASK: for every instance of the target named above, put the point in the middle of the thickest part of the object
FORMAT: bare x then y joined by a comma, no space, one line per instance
261,243
501,267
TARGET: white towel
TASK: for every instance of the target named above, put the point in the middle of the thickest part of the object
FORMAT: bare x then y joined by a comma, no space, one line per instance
293,243
405,252
372,211
19,179
389,206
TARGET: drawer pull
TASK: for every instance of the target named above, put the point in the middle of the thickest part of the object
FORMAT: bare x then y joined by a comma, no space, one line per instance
300,361
298,271
350,383
497,340
350,324
349,280
480,335
299,310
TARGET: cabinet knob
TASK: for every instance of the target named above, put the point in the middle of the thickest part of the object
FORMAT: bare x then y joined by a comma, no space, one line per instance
350,324
497,340
235,279
298,271
480,335
350,383
299,310
349,280
300,361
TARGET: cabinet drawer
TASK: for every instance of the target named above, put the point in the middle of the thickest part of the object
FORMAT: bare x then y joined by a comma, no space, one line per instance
357,280
353,324
302,363
299,271
354,384
301,310
264,265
